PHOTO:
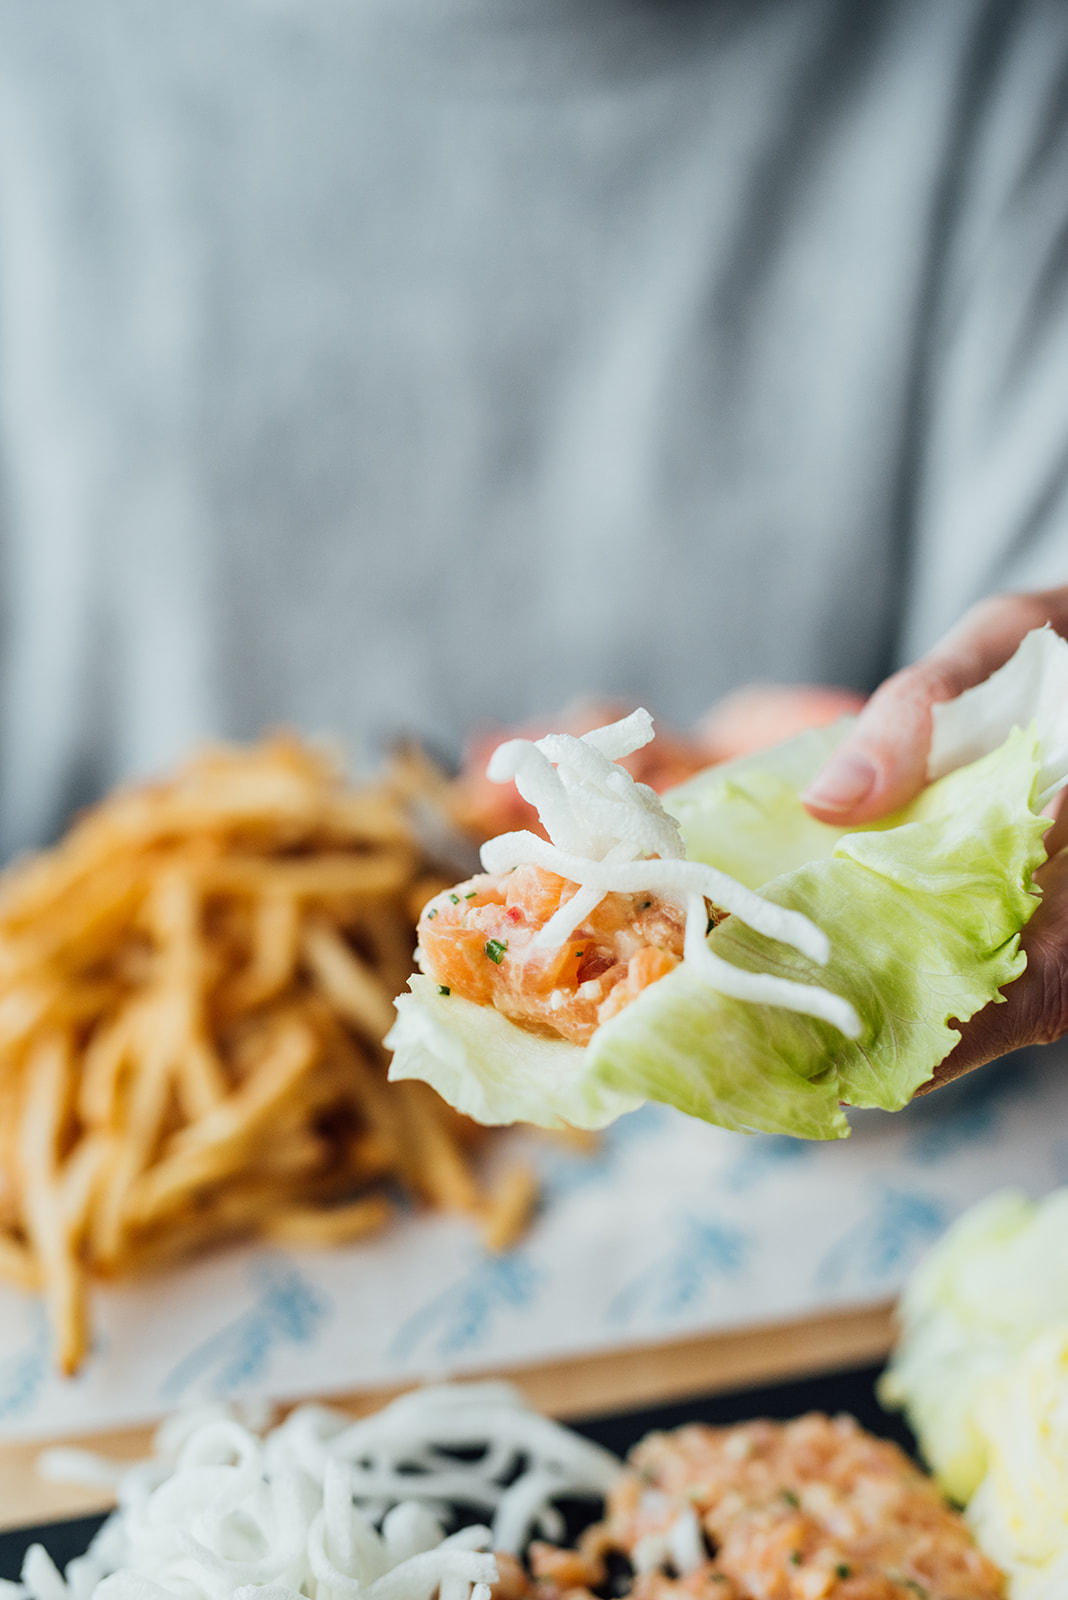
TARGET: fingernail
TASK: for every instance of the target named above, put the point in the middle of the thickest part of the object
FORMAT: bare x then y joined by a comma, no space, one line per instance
844,782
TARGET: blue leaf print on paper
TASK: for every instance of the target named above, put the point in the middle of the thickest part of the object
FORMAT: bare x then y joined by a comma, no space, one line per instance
640,1124
286,1310
884,1240
763,1155
564,1171
965,1112
462,1315
702,1251
23,1374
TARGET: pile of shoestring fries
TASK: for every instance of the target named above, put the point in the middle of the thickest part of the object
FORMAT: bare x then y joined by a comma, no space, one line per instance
194,986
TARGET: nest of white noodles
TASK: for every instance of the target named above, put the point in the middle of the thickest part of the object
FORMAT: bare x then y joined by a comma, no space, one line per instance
326,1508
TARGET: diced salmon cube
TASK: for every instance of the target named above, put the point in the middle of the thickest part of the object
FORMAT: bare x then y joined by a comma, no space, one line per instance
457,958
536,892
648,966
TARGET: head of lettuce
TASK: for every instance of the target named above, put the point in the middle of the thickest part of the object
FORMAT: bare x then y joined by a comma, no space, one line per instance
839,988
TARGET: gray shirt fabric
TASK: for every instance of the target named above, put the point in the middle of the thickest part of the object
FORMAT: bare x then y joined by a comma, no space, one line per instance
391,365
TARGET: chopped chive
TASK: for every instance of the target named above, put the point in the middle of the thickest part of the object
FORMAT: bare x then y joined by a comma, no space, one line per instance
443,988
790,1498
455,898
645,905
431,914
578,955
842,1571
795,1558
470,895
495,949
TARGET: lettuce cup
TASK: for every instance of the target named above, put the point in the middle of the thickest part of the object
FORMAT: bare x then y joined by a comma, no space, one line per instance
722,951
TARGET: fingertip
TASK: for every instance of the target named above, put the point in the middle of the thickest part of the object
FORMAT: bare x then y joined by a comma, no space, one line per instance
842,784
882,764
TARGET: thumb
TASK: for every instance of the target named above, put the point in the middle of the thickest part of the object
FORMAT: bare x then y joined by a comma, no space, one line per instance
882,763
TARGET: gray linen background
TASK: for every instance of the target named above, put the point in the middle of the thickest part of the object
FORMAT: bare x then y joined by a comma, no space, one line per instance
395,365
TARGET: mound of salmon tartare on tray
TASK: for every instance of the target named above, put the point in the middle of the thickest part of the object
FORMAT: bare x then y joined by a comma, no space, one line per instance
814,1509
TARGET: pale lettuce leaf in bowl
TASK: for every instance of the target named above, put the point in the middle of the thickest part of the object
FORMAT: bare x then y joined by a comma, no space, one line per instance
923,914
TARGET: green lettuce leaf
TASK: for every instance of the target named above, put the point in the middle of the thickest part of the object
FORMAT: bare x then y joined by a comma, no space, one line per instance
923,912
746,818
493,1071
745,1067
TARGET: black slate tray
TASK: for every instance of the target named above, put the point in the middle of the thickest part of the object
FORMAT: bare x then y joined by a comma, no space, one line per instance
851,1390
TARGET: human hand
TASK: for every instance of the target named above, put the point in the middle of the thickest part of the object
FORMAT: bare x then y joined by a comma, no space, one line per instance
882,765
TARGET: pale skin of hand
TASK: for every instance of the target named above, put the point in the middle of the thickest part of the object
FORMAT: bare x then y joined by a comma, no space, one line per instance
882,765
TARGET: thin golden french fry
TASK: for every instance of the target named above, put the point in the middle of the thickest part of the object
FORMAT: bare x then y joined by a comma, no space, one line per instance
369,815
10,1106
229,1213
352,988
77,1180
275,941
321,877
47,1083
105,1056
296,1153
292,1049
22,1010
204,1151
36,887
77,929
199,1080
366,1083
510,1207
311,1226
369,1157
387,934
49,1072
174,911
196,1178
149,1092
18,1265
433,1161
242,1207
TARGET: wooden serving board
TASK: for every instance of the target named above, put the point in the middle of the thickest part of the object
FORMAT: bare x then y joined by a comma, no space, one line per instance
582,1386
